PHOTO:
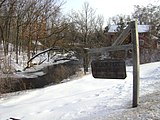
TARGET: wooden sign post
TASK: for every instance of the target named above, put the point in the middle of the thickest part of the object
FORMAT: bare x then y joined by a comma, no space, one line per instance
117,45
136,70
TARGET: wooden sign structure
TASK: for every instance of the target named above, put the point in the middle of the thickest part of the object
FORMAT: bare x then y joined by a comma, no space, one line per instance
134,46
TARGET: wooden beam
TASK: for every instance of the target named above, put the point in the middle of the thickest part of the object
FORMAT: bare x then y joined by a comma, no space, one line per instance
122,36
136,70
111,48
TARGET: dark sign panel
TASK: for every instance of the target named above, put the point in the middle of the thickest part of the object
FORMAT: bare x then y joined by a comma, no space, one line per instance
109,69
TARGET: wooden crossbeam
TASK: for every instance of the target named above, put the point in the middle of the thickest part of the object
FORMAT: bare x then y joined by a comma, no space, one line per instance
111,48
122,36
117,44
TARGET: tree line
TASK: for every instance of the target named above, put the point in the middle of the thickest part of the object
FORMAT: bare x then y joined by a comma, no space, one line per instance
32,25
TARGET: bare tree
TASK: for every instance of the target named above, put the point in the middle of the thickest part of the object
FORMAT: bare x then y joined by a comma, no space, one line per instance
84,21
98,37
6,21
35,23
149,15
23,22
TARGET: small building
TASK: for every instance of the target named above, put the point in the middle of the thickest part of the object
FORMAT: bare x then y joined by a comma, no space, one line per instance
146,40
149,44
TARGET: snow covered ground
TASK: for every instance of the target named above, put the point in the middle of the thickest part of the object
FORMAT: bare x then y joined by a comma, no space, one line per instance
84,98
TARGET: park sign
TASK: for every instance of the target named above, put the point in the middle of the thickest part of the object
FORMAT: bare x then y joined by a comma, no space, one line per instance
109,69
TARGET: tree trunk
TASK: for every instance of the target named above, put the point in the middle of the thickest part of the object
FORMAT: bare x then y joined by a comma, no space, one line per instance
16,42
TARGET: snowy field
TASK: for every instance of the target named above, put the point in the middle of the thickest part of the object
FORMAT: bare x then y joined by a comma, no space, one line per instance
84,98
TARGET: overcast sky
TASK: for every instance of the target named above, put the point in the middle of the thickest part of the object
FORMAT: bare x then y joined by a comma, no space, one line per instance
108,8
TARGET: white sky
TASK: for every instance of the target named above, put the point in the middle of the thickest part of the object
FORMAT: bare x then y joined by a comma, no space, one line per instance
108,8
